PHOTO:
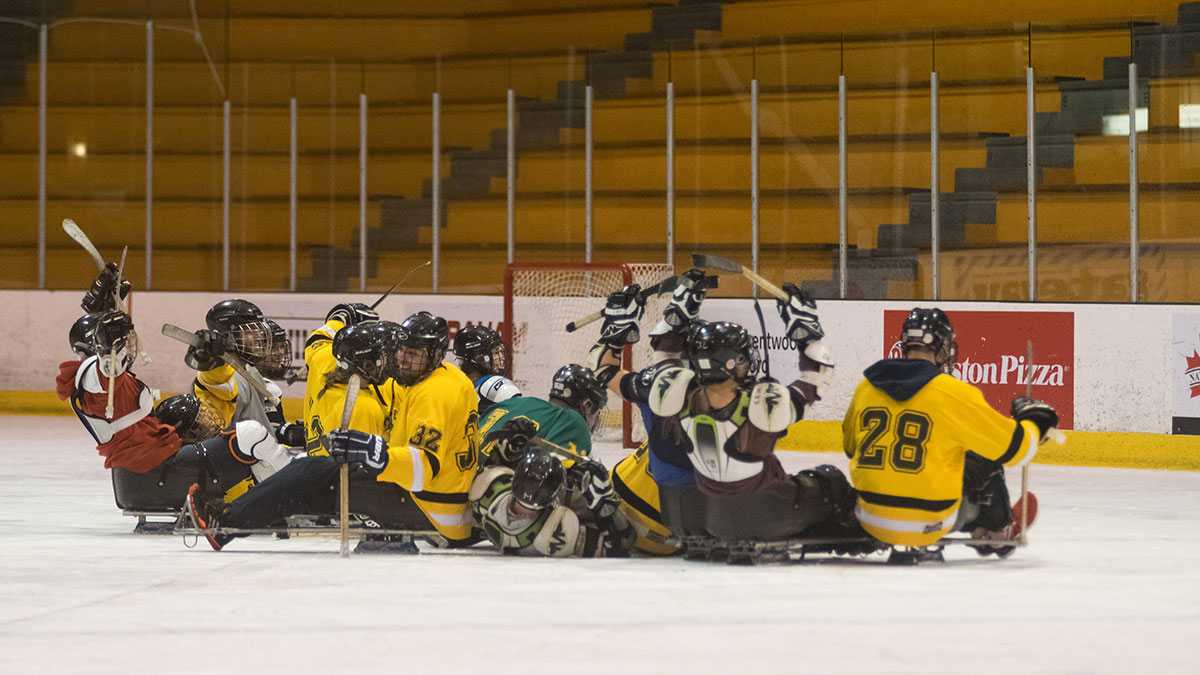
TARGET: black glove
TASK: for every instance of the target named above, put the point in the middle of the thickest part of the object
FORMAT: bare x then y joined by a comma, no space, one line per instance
621,313
508,442
619,535
357,447
290,434
591,479
351,313
99,297
685,301
1040,413
207,354
799,314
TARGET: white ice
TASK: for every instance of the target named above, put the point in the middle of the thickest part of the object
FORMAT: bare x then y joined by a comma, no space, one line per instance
1109,583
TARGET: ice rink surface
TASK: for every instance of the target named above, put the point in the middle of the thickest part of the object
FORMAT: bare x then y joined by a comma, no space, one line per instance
1110,583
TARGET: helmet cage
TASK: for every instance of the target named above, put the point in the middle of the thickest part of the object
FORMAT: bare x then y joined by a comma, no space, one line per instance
278,359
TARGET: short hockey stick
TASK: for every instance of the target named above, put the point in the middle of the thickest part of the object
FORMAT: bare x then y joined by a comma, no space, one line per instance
556,449
713,262
352,386
112,369
397,284
77,234
189,338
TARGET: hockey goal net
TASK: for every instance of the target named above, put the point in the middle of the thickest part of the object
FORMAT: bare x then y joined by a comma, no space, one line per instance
541,299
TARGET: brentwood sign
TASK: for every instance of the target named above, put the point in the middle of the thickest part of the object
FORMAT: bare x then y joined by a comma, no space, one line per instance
992,348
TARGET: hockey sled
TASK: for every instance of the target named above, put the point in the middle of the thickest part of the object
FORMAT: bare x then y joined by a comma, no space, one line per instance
370,539
800,549
154,503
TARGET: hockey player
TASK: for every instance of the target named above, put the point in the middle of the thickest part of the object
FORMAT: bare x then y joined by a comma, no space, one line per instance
238,327
148,457
319,362
482,358
538,508
307,486
567,419
927,452
727,423
656,483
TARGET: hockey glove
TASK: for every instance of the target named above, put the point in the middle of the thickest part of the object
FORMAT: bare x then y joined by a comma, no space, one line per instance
799,314
290,434
685,301
621,314
207,354
506,445
1040,413
351,313
99,297
347,446
591,480
619,535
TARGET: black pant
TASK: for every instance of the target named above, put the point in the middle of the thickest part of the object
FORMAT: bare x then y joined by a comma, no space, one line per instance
166,486
985,500
308,486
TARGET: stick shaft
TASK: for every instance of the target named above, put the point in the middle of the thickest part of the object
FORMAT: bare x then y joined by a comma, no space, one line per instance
73,231
188,337
1025,468
556,449
112,361
352,387
397,284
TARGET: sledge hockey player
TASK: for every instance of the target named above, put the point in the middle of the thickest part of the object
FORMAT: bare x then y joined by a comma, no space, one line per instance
238,327
538,508
727,423
319,361
414,477
481,356
149,459
927,453
582,507
656,483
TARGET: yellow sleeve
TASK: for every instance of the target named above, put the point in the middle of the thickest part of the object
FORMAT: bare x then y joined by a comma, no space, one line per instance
979,428
318,357
218,388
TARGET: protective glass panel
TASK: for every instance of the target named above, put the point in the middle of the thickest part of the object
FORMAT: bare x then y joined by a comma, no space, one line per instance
19,169
982,175
712,171
1083,157
888,115
799,163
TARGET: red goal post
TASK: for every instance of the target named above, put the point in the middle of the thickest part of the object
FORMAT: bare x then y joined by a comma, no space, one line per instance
540,299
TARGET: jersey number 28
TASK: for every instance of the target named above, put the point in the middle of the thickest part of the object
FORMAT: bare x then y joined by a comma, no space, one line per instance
907,453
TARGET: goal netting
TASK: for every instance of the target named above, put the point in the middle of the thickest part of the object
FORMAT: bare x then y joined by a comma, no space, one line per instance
541,299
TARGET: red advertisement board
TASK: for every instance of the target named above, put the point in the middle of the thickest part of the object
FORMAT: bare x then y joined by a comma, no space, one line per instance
992,349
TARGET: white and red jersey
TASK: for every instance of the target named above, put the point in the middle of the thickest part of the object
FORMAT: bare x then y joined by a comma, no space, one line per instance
133,439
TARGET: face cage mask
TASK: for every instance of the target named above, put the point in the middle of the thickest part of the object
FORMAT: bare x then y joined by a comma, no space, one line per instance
121,355
413,364
252,341
207,425
277,361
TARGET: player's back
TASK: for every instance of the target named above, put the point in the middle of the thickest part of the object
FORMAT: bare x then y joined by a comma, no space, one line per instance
907,432
557,424
325,415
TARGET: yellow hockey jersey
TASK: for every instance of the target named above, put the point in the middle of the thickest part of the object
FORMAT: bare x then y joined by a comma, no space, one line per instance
318,359
907,432
632,480
433,447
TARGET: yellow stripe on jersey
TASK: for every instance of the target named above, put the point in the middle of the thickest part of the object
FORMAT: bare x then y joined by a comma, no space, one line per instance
639,502
433,447
907,456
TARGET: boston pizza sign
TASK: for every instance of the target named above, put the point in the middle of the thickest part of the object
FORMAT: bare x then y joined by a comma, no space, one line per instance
992,349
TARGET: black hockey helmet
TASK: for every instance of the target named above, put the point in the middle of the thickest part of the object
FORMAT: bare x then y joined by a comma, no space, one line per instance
81,334
577,388
930,328
193,419
365,349
243,321
113,338
538,480
718,351
279,358
421,342
482,349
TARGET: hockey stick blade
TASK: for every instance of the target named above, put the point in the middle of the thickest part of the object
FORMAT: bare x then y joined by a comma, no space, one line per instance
556,449
663,287
77,234
402,280
189,338
726,265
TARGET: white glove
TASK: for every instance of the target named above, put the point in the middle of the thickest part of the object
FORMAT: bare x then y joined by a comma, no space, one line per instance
799,314
685,301
621,314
